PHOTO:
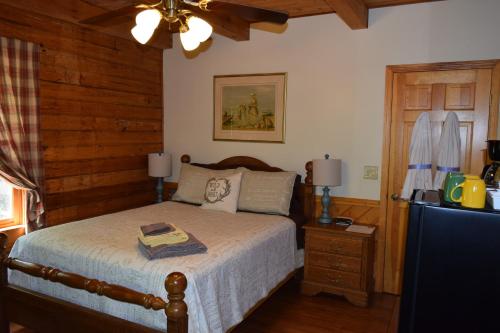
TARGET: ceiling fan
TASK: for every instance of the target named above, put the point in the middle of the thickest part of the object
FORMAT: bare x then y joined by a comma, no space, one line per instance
183,16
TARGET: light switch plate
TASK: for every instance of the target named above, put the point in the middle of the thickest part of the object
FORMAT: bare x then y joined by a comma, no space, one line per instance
370,172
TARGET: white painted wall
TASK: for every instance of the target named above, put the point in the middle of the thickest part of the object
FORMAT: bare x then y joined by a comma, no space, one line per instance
336,82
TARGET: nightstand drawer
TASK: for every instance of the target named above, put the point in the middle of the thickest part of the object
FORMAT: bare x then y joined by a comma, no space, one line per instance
334,278
331,244
332,261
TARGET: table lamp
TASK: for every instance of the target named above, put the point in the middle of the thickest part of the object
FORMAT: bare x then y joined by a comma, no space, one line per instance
326,172
159,166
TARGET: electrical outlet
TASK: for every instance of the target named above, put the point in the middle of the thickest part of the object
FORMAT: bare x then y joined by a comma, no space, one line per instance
370,172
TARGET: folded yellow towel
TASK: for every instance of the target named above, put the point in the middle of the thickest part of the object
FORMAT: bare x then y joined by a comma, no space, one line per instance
174,237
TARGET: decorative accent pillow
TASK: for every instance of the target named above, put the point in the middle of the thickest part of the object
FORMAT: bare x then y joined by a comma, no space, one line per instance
222,193
266,192
193,181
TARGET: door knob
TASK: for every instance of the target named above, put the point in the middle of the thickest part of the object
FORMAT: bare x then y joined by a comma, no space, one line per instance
395,197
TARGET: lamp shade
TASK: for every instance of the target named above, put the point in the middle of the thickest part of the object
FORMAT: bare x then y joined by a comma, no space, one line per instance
327,172
159,165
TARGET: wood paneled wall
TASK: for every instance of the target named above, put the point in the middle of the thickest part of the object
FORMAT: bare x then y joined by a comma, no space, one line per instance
101,114
363,211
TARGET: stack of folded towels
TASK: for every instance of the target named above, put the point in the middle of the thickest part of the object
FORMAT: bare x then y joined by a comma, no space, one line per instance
161,240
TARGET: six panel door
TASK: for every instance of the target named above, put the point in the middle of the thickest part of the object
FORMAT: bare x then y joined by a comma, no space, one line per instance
465,92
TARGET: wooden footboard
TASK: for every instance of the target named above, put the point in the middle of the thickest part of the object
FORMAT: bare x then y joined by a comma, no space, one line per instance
47,314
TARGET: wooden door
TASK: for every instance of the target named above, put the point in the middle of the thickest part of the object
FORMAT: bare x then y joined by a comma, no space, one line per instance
465,92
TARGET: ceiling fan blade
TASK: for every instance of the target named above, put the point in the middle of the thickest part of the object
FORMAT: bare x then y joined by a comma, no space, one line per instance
251,14
113,17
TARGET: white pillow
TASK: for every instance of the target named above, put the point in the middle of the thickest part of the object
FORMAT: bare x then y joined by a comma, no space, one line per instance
221,193
193,181
266,192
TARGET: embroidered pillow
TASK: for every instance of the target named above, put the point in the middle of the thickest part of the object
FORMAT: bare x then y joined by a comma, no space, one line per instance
266,192
193,180
221,193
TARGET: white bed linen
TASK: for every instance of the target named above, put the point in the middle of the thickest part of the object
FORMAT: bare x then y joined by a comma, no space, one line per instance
248,255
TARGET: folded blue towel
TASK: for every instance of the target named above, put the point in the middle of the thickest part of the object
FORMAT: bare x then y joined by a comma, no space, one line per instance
156,229
192,246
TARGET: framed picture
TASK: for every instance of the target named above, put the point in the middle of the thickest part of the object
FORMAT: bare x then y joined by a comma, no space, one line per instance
250,107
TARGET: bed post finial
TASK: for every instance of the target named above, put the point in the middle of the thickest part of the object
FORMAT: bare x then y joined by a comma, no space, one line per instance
176,310
309,173
310,197
186,158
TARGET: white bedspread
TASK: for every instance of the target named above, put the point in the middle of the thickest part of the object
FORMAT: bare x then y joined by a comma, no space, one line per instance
248,255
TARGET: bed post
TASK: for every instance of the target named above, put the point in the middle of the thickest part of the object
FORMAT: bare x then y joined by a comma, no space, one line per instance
4,322
309,195
176,310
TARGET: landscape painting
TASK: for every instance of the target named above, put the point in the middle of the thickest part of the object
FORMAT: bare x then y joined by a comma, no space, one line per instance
249,107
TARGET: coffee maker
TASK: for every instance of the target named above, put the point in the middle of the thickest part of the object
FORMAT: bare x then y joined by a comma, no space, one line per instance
491,173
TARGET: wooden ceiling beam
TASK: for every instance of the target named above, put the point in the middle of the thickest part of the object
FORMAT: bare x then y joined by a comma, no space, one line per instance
300,8
353,12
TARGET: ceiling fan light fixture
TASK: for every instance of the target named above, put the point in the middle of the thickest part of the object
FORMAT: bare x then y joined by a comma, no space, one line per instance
200,28
142,34
149,18
189,40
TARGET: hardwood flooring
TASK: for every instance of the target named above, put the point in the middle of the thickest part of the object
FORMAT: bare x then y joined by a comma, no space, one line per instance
287,311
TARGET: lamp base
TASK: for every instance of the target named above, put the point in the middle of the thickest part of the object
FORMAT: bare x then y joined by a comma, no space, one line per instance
325,202
325,220
159,190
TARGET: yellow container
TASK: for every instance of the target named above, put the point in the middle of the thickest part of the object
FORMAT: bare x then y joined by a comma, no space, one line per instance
473,192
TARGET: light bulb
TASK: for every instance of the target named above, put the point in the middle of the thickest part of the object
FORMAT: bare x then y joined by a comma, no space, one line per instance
189,40
200,28
149,18
142,34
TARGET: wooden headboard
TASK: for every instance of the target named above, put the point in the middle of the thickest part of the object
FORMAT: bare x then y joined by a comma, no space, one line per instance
305,190
302,203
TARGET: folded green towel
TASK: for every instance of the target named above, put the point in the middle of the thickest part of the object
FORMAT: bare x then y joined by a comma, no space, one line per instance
192,246
173,237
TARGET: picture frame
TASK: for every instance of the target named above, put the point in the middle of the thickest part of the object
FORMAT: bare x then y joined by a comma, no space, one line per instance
250,107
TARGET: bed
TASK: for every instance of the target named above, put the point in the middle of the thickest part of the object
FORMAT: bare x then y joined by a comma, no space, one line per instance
249,256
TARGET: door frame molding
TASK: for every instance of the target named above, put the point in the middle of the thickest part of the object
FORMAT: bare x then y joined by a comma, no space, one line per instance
493,64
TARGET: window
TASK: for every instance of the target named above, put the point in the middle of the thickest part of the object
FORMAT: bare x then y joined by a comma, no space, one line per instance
6,204
10,205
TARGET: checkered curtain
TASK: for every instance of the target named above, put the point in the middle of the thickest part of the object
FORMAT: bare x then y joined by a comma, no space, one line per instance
20,148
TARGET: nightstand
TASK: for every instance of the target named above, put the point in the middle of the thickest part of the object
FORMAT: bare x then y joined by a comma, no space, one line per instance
338,262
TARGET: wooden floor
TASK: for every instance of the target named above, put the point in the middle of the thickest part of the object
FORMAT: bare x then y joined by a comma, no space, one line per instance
290,312
287,311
